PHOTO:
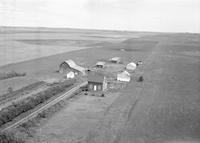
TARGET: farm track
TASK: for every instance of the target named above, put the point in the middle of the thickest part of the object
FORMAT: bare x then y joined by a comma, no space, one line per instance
45,106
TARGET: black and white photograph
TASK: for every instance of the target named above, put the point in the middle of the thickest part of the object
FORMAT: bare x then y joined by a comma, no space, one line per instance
99,71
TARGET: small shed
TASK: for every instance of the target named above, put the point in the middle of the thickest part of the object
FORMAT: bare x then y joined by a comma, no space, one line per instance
70,65
139,63
100,64
70,75
124,76
131,66
115,60
96,82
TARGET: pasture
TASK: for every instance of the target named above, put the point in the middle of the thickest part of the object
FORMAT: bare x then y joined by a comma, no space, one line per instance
164,108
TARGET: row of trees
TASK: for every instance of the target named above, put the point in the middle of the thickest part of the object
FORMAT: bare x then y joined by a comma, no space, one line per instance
12,93
11,75
14,110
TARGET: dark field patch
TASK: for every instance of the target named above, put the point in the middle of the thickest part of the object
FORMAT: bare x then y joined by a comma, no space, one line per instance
56,42
133,45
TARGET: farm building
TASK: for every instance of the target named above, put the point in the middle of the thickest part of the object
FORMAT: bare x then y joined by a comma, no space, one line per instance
70,74
69,65
131,66
139,63
96,82
100,64
124,76
115,60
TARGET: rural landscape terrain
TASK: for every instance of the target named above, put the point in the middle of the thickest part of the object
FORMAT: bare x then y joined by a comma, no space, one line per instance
40,104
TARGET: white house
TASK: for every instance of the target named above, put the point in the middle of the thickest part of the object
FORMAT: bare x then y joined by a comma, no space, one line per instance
124,76
70,75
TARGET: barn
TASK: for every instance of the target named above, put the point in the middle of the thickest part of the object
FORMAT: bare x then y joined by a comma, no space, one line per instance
70,66
96,82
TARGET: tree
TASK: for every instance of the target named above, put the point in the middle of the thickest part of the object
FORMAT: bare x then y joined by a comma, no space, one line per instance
10,89
140,79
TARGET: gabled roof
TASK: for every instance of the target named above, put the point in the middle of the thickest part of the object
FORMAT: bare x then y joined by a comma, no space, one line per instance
115,59
124,73
100,63
95,77
73,65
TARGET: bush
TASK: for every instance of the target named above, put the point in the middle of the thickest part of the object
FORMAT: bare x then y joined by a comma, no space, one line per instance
11,75
140,79
10,89
9,138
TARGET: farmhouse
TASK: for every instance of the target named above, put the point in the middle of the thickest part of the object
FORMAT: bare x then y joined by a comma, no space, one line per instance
124,76
115,60
100,64
131,66
69,65
96,82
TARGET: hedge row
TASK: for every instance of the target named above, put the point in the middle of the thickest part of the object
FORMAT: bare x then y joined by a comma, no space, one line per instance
9,138
14,110
20,91
11,75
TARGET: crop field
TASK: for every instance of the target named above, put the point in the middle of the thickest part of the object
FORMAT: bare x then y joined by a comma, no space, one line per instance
164,108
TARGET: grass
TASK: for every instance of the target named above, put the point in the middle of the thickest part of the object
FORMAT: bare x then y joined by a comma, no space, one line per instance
9,113
169,96
10,138
12,93
28,127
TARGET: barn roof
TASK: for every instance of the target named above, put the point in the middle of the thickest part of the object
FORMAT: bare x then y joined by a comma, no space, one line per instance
95,77
73,65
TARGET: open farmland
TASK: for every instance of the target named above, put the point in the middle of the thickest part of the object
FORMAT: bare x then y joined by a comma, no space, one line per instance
164,108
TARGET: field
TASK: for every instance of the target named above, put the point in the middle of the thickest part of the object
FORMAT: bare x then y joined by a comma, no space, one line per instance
164,108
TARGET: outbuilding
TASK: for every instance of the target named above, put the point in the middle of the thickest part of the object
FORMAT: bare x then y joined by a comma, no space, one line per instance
124,76
70,74
115,60
69,65
96,82
100,64
131,66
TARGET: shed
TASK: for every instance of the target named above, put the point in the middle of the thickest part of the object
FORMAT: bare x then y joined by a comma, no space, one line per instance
100,64
131,66
96,82
124,76
115,60
70,65
70,75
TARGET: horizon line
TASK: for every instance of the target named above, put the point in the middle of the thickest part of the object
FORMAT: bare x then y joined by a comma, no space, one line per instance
97,29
